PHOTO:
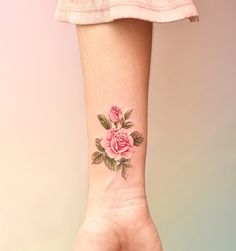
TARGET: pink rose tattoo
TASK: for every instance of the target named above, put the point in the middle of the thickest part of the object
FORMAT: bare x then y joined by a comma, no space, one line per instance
118,143
115,114
116,148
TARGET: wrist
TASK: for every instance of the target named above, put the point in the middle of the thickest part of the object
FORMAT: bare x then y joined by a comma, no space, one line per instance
110,196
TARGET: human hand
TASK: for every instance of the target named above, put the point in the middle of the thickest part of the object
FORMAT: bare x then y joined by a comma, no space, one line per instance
128,228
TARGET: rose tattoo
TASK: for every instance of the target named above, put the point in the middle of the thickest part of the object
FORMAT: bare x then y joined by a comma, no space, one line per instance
116,148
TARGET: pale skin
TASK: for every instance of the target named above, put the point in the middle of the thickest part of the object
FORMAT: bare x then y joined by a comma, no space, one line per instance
115,60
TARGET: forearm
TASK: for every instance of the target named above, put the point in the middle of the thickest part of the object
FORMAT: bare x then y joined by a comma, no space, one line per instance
116,63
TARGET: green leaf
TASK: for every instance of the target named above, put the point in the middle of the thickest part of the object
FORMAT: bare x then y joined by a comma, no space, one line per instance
118,167
123,165
137,137
98,145
126,165
123,160
127,114
105,122
127,124
109,162
122,121
123,173
97,158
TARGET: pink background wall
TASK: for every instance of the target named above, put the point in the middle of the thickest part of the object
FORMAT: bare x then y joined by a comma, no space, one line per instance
191,162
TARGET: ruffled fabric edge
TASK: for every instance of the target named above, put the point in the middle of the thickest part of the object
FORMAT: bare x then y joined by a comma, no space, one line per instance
104,15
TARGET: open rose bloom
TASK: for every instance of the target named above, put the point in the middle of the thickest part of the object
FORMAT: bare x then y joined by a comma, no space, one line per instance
118,144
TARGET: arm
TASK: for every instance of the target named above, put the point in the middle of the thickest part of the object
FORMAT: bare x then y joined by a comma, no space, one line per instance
115,61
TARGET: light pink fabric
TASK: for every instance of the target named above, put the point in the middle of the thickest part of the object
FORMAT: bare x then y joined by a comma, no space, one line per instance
100,11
